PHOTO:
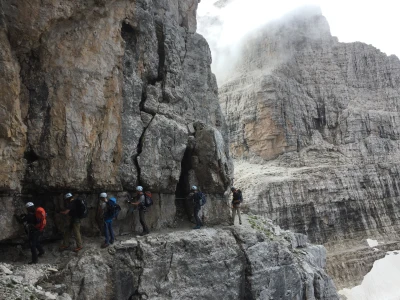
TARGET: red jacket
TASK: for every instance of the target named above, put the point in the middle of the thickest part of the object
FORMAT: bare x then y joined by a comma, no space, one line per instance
40,215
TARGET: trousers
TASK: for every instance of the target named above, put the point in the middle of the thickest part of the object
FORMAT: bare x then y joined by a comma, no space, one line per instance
236,209
75,227
34,243
108,233
197,209
143,221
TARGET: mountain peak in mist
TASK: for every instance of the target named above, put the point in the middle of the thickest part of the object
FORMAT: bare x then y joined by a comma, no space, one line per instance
292,29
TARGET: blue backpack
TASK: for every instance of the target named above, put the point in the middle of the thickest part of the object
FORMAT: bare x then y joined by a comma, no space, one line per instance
114,208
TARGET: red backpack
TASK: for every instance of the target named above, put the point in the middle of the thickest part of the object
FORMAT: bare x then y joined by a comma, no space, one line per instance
40,215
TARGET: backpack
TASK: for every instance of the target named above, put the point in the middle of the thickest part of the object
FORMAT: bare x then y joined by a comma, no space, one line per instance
148,201
114,209
117,210
240,198
203,199
81,208
41,215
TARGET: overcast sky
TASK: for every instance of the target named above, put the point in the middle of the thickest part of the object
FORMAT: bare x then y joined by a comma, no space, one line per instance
371,22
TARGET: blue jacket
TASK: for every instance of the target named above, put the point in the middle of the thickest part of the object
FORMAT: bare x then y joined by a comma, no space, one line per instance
109,213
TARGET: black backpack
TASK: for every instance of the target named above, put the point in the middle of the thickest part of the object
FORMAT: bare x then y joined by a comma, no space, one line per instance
239,197
81,208
203,199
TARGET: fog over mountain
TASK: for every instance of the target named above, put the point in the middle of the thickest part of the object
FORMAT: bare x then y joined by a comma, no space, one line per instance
350,21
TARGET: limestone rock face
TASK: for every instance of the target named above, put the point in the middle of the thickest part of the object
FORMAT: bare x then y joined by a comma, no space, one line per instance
317,122
104,96
226,263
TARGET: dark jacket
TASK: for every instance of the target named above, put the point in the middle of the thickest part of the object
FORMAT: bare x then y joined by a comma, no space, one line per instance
195,197
33,221
72,209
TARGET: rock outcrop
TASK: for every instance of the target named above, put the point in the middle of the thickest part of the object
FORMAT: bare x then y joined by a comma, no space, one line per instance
320,121
103,96
262,262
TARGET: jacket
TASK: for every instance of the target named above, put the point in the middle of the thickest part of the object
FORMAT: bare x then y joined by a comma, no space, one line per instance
196,198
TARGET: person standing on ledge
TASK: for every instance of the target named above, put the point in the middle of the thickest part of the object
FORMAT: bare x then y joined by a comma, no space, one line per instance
34,223
141,205
110,212
237,199
74,224
195,196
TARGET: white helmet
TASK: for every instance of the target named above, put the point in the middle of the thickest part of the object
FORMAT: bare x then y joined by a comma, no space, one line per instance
139,188
68,195
194,188
103,195
29,204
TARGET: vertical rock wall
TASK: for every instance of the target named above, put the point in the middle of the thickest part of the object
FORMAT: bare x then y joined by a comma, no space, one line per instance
106,95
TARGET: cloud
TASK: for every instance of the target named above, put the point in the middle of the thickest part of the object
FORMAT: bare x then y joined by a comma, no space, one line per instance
224,26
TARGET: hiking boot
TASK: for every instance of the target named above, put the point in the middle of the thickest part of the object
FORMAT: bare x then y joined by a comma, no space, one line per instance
41,253
77,249
196,227
111,242
144,233
32,262
62,248
105,245
240,223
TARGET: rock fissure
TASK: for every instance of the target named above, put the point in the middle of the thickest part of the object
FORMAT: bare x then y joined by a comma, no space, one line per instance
246,290
140,149
160,51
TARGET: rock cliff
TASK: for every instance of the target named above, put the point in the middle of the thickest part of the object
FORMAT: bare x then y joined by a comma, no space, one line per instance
103,96
262,262
316,125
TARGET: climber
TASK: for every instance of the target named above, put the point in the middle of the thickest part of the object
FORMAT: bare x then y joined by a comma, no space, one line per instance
195,196
34,223
237,199
142,207
110,212
74,224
